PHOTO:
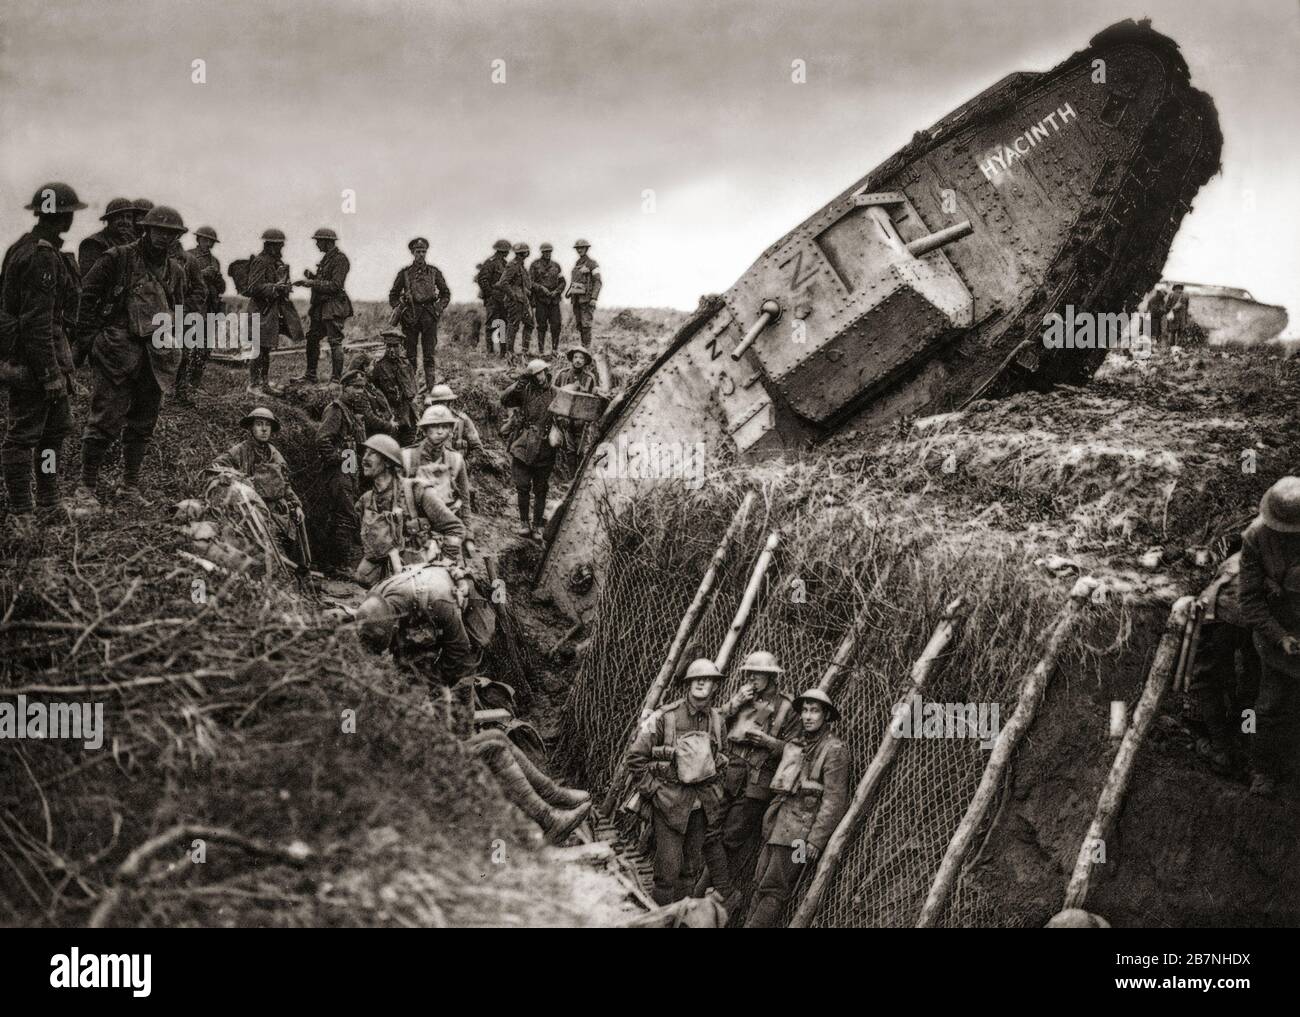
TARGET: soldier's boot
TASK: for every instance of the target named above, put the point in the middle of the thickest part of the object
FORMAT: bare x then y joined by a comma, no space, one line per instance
17,468
552,792
85,502
48,501
313,358
336,362
556,824
430,371
132,468
521,497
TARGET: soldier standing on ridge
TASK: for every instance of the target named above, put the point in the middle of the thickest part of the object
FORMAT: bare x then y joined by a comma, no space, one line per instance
330,306
547,290
268,290
512,290
39,294
419,295
201,261
494,312
1177,315
119,229
121,302
584,290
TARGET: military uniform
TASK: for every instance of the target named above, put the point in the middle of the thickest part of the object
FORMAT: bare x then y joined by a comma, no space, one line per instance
574,431
1178,308
380,519
120,298
268,292
429,606
512,290
687,817
444,470
750,768
494,309
96,245
395,377
465,438
805,816
330,307
207,269
262,463
1219,696
547,290
426,296
1156,309
340,433
531,456
40,290
584,290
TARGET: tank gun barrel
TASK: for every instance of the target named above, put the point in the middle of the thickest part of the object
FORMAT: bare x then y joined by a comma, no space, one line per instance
924,245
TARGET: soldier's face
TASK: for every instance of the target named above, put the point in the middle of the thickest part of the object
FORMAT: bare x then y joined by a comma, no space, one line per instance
204,244
323,245
372,463
578,360
159,238
701,689
582,251
274,247
759,679
261,430
418,253
546,256
438,433
813,716
123,222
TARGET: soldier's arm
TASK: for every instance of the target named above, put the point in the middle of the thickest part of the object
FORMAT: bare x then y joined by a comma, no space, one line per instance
1253,595
443,521
290,495
835,799
87,254
397,289
640,756
96,291
460,483
512,396
196,289
559,285
216,282
333,282
228,460
36,309
261,282
327,434
595,282
444,292
473,442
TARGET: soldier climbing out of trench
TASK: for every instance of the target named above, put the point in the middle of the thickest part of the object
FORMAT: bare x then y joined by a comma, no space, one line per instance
1270,605
677,762
812,795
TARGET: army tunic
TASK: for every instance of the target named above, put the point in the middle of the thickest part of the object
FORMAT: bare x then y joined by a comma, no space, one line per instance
394,375
379,515
574,431
584,290
262,463
426,296
444,470
276,313
340,433
494,309
93,247
547,292
431,625
327,309
512,290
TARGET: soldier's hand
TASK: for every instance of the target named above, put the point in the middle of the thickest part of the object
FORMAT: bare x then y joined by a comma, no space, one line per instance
298,517
747,693
1291,646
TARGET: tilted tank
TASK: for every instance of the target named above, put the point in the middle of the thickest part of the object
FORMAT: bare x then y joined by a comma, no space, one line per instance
920,287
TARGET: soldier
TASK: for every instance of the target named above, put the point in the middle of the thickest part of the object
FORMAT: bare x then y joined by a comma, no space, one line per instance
38,300
394,376
494,312
127,293
419,295
1156,310
578,375
330,306
339,439
512,291
261,462
200,262
439,465
676,762
268,289
532,458
142,206
547,285
761,719
386,528
1220,698
584,290
1270,605
1177,315
465,438
119,229
812,795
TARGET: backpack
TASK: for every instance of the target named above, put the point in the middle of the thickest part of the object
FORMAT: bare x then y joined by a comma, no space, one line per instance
238,272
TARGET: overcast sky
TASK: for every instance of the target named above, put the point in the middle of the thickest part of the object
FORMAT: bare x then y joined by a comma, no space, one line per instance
602,102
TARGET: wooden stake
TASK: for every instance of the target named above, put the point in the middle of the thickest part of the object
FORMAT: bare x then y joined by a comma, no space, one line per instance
746,604
864,797
1032,688
1121,769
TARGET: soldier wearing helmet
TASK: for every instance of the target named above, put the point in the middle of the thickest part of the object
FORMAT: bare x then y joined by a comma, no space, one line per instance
578,375
142,206
200,262
330,305
760,719
512,290
266,469
811,787
676,761
119,228
418,297
546,285
40,292
532,456
127,324
339,446
494,311
268,289
392,522
464,437
438,464
584,289
394,376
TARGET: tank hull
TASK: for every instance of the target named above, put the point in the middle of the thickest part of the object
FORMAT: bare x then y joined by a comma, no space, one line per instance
920,287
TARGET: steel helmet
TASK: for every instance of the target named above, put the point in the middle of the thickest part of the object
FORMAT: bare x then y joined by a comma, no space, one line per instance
417,242
546,247
350,376
502,245
522,248
63,197
820,697
702,667
536,366
207,231
573,348
143,204
391,336
438,413
164,217
325,233
377,621
273,235
118,206
386,446
440,393
1280,506
581,243
260,413
761,660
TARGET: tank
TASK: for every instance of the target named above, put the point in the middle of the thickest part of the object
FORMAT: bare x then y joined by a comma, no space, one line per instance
920,287
1228,314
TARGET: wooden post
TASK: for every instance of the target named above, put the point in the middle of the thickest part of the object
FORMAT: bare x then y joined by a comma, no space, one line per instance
1032,688
832,676
864,797
746,604
684,630
1113,791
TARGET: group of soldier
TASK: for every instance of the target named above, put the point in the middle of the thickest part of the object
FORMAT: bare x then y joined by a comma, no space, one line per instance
519,297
